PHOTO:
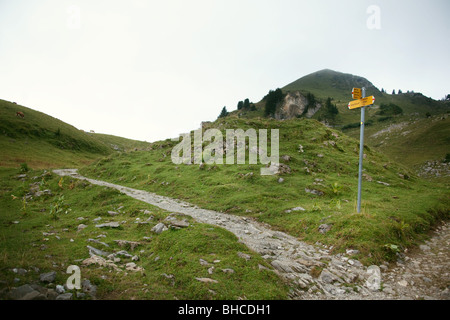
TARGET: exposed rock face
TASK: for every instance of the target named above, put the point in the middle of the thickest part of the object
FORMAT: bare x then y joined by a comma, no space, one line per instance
295,104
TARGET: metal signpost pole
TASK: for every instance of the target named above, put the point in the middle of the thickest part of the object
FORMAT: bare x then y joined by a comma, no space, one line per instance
361,151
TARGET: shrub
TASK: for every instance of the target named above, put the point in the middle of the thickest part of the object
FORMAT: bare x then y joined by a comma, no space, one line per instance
24,168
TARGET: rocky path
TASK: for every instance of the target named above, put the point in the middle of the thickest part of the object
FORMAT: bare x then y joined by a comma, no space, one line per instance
313,271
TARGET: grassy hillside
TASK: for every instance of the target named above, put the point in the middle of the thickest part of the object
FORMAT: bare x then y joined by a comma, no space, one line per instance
428,141
42,141
34,237
410,140
120,144
392,212
329,83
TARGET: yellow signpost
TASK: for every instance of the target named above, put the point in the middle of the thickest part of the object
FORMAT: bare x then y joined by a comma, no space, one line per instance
361,101
357,93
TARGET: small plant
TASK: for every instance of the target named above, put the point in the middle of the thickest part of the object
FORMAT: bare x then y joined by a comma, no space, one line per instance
24,168
58,207
402,229
316,207
60,183
336,188
24,206
392,248
336,203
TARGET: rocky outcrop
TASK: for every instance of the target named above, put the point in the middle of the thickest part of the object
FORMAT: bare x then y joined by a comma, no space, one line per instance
294,105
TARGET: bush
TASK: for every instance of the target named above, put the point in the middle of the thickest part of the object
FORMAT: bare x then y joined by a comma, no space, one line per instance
384,119
24,168
351,126
389,110
272,100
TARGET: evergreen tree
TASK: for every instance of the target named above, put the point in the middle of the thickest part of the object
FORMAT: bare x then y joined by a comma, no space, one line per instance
246,104
224,113
400,91
393,91
311,99
272,100
330,109
240,105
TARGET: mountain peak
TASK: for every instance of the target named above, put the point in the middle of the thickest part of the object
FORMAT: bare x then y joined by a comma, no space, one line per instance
329,82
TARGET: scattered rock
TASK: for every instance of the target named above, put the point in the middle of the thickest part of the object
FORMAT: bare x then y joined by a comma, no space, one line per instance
123,253
403,283
284,169
206,280
101,262
127,244
295,209
20,292
108,225
98,242
60,289
286,158
204,262
113,213
97,252
324,228
352,252
65,296
228,271
281,180
19,271
179,224
314,191
133,267
383,183
89,288
244,256
159,228
48,277
327,277
424,248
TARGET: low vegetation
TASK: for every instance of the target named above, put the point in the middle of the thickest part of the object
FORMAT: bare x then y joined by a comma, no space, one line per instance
43,232
319,173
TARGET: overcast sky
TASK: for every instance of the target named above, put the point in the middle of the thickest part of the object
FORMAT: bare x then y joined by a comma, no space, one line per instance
150,70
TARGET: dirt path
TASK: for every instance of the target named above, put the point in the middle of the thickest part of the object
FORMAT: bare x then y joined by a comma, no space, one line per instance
423,275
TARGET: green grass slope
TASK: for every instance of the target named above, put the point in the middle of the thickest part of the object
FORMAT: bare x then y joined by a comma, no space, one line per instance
120,143
410,140
428,141
329,83
42,141
33,237
393,213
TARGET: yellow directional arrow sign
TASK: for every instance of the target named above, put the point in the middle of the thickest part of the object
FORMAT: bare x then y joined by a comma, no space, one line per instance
357,93
361,102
